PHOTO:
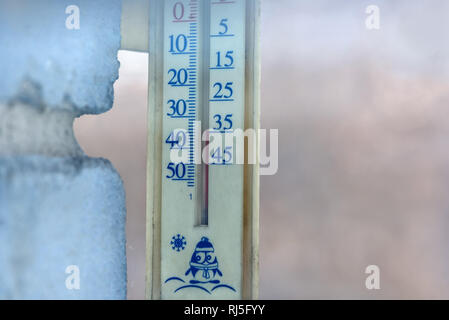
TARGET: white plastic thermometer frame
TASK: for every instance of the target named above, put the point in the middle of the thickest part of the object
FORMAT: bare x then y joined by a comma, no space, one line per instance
233,203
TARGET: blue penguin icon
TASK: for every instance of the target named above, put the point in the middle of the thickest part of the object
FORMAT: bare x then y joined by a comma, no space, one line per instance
204,260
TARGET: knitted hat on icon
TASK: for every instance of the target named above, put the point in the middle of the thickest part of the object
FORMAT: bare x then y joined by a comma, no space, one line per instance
204,245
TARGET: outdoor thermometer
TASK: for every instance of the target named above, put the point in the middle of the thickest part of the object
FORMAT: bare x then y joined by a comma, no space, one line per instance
202,192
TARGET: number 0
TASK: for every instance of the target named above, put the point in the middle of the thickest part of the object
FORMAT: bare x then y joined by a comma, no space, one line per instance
179,6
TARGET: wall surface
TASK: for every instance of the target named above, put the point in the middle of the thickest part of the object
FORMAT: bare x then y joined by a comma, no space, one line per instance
62,214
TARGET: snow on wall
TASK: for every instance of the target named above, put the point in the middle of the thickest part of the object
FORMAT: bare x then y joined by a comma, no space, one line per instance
59,209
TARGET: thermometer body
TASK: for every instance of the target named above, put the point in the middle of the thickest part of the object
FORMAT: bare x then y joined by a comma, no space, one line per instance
202,202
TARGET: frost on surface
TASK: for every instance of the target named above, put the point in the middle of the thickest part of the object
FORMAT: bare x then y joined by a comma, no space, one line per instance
58,207
76,69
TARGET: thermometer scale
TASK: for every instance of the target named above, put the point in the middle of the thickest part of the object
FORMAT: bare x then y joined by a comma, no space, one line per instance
202,204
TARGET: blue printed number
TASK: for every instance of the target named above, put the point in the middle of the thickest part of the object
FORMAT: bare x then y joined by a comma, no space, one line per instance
178,140
176,171
229,59
223,91
178,44
224,157
177,108
178,77
224,25
224,124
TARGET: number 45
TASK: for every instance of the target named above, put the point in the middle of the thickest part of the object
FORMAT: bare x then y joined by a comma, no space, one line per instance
224,157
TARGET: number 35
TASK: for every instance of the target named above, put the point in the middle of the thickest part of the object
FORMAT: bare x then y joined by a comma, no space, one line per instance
221,124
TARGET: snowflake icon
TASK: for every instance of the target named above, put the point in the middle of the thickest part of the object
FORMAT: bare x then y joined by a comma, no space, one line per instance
178,242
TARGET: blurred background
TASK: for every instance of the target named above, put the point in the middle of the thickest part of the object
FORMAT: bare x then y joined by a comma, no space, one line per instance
363,119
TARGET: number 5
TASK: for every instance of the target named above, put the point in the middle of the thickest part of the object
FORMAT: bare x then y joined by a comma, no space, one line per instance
224,24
